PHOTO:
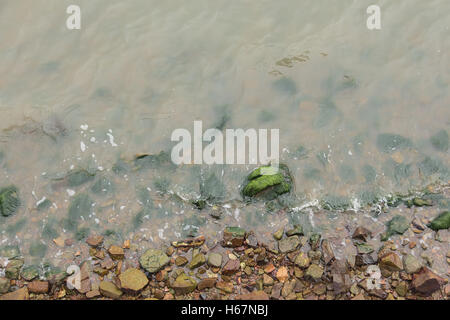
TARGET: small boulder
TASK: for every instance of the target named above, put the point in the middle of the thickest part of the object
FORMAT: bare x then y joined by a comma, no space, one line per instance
233,237
197,261
425,282
153,260
288,244
133,280
391,262
110,290
183,284
314,271
411,263
442,221
39,287
215,259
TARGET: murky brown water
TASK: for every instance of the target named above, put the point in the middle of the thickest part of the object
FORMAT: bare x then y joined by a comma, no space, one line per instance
361,113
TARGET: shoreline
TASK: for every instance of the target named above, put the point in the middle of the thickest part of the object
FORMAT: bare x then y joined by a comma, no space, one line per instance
236,266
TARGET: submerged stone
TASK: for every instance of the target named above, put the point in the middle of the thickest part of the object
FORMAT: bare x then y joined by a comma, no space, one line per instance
29,273
153,260
387,142
233,237
110,290
440,141
289,244
9,201
10,251
397,225
133,279
184,284
296,231
78,177
442,221
268,182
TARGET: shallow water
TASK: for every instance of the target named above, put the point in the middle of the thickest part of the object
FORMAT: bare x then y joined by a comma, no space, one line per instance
361,113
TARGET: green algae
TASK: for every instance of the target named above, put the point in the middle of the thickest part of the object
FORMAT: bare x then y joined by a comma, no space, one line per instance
79,177
81,206
442,221
103,186
268,181
388,142
9,201
397,225
440,141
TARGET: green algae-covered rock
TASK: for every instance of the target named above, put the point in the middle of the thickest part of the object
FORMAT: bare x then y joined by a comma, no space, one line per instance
442,221
29,273
153,260
397,225
268,181
10,251
9,201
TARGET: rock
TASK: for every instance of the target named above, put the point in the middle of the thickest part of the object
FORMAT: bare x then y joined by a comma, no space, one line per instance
12,270
133,280
296,231
197,261
225,286
391,262
9,201
288,244
110,290
29,273
184,284
255,295
38,286
327,251
288,287
252,240
93,294
425,282
362,234
269,268
282,274
206,283
364,248
268,182
94,240
20,294
153,260
231,267
189,243
366,259
215,259
397,225
9,252
276,291
402,289
411,264
341,282
4,285
314,271
278,234
116,252
314,241
442,221
181,261
268,280
233,237
302,260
